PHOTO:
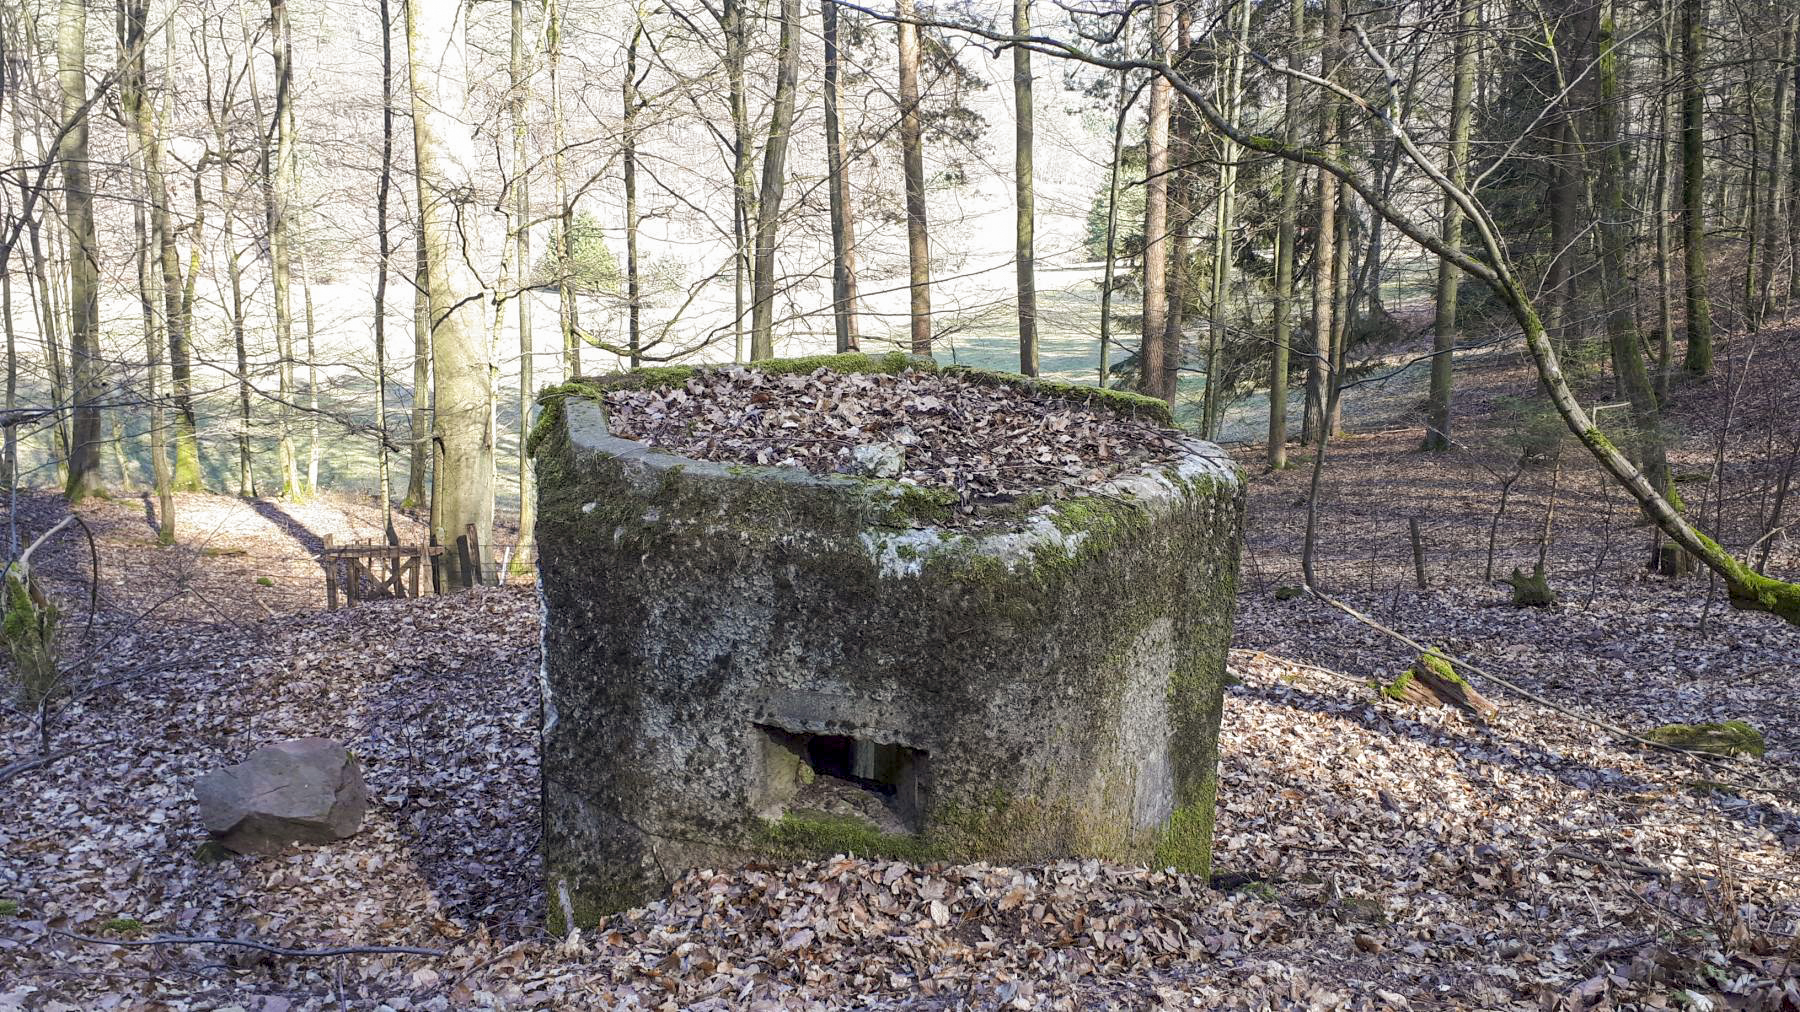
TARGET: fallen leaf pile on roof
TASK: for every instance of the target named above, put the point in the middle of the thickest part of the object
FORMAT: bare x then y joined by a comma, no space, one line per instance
989,442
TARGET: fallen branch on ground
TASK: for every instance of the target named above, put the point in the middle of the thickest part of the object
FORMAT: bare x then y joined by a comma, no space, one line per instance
345,950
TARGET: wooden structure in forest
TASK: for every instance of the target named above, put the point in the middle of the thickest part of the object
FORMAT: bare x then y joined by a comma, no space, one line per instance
375,570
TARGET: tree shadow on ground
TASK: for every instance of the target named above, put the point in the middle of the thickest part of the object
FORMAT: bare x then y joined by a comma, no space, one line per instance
1481,745
271,511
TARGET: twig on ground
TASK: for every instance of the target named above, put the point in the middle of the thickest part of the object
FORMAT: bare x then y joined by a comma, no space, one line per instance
27,765
345,950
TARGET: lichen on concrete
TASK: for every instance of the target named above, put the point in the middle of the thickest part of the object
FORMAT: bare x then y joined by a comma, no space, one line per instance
1050,679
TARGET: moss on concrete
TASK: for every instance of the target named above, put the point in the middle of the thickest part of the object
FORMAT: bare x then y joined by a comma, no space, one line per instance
719,599
1727,738
916,504
817,834
1124,402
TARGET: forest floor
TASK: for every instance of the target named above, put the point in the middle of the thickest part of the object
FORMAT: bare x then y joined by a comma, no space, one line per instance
1370,853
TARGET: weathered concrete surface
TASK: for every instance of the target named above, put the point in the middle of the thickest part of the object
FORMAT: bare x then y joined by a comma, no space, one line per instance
1045,685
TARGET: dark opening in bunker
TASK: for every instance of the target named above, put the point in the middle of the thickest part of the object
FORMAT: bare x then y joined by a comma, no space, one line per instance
840,775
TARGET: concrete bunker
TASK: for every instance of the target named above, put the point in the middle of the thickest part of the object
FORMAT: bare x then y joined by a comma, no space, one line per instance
746,661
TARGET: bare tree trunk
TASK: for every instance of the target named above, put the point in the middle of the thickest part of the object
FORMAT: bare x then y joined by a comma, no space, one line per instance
1615,241
45,307
737,34
567,312
912,150
384,185
1122,108
843,231
279,192
521,181
87,380
1318,372
1025,254
1665,186
1775,218
153,241
444,146
1340,294
1153,350
1179,181
419,466
1693,188
1284,250
774,182
1443,337
312,379
1224,224
628,144
235,274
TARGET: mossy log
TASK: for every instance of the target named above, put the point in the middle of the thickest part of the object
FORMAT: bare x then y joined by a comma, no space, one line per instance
1432,680
1727,738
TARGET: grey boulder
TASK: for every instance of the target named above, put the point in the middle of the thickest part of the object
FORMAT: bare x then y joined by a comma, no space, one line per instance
309,790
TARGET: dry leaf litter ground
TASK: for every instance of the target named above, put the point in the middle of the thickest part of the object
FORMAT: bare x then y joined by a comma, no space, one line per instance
1371,854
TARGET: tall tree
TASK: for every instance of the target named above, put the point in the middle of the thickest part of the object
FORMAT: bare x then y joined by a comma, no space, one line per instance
521,209
279,193
85,362
1319,377
384,185
774,182
1693,187
445,157
1284,246
419,465
1782,126
628,158
1231,91
1443,331
1153,350
1024,255
737,46
912,156
567,311
147,169
1615,242
843,231
1122,104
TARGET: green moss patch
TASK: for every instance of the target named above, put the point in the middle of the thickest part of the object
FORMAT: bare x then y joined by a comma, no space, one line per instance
1728,738
123,926
9,908
811,834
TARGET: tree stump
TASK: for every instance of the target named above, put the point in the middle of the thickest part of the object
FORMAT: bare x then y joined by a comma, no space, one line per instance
1432,680
1531,591
1673,561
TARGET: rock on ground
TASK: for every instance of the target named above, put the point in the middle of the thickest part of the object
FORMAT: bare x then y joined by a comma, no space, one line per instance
309,790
